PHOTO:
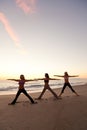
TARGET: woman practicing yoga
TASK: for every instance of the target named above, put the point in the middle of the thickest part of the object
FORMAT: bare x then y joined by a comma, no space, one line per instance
47,87
21,89
66,83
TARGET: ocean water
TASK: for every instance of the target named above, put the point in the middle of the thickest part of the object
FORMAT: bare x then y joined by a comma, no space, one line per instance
11,87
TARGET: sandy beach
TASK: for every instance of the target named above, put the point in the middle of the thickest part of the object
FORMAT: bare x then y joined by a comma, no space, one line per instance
69,113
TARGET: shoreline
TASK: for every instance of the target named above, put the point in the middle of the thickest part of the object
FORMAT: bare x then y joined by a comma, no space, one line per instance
34,93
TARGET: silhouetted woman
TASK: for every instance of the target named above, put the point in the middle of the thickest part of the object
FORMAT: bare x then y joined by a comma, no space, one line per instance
47,87
21,89
66,83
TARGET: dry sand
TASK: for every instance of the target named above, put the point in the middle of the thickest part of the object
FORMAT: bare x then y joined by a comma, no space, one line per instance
69,113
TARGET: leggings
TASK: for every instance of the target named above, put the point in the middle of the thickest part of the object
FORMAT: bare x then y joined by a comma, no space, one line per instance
26,94
67,84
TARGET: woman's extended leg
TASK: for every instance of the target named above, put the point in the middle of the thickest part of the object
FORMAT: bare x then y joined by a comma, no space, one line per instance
42,93
16,97
24,91
62,91
69,85
55,95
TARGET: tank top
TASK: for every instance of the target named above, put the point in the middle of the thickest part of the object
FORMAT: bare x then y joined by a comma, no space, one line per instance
21,84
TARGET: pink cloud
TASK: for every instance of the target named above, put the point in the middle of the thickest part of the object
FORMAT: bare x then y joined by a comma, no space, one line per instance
28,6
11,33
8,28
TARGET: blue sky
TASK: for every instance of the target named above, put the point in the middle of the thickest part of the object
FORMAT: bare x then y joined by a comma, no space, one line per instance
38,36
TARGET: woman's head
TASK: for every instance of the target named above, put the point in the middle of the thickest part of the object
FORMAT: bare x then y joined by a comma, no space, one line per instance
46,75
22,77
65,73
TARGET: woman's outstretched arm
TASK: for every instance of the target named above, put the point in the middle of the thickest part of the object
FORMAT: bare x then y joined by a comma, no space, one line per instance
73,75
27,80
14,80
53,79
40,78
59,75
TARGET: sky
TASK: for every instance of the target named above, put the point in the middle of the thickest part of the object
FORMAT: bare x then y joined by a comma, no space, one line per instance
43,36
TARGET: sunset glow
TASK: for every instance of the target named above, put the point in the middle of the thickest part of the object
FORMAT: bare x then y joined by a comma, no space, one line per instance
38,36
